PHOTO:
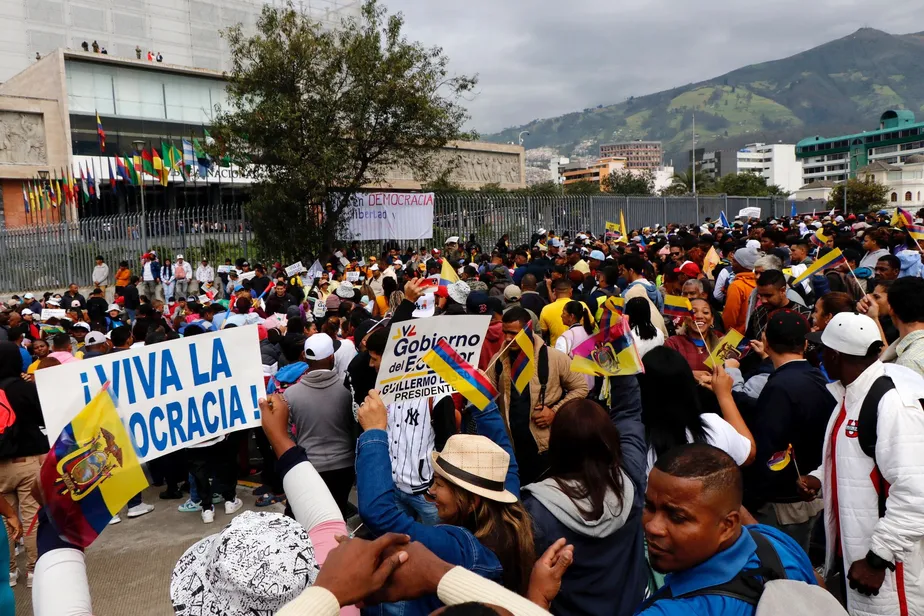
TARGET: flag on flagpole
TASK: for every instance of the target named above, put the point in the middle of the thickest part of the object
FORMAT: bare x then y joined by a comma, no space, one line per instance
723,220
101,134
463,377
25,198
113,173
160,168
147,163
792,210
625,230
710,262
189,158
832,259
916,232
611,352
524,366
447,274
677,306
93,182
91,472
83,184
722,350
202,158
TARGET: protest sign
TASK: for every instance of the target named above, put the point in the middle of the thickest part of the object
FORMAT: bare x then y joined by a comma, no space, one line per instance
403,376
426,306
391,216
204,298
293,269
612,229
352,276
170,395
53,313
224,269
749,212
315,270
246,276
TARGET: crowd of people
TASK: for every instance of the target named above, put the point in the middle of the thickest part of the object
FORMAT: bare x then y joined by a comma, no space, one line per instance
695,486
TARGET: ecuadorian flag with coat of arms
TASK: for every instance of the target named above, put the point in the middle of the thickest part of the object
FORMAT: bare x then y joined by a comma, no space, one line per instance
91,472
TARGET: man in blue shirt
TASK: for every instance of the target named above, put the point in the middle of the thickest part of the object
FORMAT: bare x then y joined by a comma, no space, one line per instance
692,522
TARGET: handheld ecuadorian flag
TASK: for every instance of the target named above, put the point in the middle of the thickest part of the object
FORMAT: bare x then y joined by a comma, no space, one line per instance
902,218
725,348
447,274
819,238
524,366
916,232
780,459
832,259
464,377
611,352
91,472
677,306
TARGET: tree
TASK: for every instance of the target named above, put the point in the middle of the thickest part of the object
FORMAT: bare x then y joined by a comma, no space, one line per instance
624,182
862,196
584,187
682,184
747,184
322,112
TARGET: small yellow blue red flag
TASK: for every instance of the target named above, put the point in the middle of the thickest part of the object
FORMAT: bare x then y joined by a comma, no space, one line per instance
524,366
464,378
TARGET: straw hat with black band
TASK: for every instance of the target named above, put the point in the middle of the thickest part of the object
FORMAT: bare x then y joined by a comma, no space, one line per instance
476,464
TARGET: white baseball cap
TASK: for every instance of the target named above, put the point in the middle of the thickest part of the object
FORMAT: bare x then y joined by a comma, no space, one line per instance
319,346
27,312
28,296
82,325
178,257
849,333
94,338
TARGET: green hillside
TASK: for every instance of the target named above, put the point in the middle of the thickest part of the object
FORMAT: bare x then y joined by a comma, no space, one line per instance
841,86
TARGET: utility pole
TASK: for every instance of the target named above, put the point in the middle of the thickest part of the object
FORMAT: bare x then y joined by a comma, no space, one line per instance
694,154
139,146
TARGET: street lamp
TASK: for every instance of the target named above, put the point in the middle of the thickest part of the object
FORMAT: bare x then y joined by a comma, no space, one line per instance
139,146
520,136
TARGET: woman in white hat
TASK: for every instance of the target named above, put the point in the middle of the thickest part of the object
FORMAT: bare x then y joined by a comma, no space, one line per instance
476,492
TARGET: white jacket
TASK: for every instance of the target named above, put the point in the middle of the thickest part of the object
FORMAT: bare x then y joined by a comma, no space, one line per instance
205,274
897,537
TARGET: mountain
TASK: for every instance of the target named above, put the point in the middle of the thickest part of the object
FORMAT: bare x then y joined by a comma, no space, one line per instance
840,87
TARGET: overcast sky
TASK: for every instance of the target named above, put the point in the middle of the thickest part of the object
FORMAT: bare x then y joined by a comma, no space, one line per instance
538,58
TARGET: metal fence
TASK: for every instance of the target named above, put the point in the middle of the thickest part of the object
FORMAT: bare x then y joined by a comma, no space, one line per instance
52,256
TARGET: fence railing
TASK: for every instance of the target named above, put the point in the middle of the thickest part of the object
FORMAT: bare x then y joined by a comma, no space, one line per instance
52,256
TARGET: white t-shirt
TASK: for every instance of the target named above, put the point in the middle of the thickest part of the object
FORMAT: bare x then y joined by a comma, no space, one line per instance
719,433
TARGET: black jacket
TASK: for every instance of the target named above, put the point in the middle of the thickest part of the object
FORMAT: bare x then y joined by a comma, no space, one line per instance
132,300
22,437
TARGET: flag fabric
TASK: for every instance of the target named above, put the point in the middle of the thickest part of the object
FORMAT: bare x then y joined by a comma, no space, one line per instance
792,210
916,232
93,181
611,229
202,158
33,202
524,366
622,227
91,472
710,262
902,218
176,161
609,310
677,306
832,259
723,220
160,169
25,198
611,352
724,349
447,274
780,459
56,184
189,158
83,184
463,377
113,173
819,238
101,134
147,163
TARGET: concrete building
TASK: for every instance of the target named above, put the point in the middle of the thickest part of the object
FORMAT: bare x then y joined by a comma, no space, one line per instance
905,181
638,154
185,32
776,162
596,172
899,136
48,124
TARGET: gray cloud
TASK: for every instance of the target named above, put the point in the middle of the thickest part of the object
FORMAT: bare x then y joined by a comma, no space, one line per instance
537,58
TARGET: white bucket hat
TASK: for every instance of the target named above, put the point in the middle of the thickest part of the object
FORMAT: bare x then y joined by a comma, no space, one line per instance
345,290
459,291
256,565
476,464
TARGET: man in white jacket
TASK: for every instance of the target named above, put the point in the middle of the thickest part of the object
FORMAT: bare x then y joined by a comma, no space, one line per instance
881,539
100,274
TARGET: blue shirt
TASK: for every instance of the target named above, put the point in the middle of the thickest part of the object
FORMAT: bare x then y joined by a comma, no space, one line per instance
725,565
26,359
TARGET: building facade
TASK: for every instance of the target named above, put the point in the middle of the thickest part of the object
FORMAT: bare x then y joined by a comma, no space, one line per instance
596,172
638,154
776,162
899,136
184,32
905,181
48,124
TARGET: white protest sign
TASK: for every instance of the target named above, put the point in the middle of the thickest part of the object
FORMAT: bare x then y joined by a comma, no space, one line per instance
170,395
281,318
204,299
246,276
315,270
426,306
402,376
352,276
53,313
224,269
319,310
391,216
749,212
293,269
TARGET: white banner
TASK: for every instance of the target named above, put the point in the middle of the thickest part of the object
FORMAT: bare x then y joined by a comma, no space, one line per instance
293,269
170,395
352,276
402,376
53,313
391,216
749,212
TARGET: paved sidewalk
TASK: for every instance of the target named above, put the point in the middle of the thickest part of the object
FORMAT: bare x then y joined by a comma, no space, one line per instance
130,565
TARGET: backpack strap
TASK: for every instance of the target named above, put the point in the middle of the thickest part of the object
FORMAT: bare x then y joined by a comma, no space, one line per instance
543,371
867,426
747,586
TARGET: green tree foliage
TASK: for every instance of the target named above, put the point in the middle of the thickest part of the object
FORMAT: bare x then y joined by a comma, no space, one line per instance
325,111
747,184
862,196
585,187
624,182
682,184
